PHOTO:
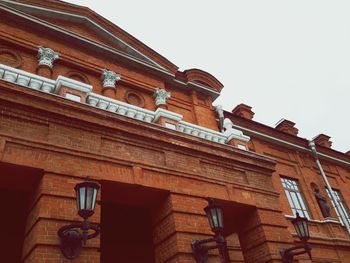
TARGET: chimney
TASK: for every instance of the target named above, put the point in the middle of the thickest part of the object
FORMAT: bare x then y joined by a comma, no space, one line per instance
323,140
287,126
243,111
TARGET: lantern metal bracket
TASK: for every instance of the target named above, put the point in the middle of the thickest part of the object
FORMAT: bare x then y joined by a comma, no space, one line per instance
72,239
200,249
288,254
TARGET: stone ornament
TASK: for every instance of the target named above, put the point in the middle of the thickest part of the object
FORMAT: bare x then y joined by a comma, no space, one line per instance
10,58
134,98
47,56
110,78
220,113
322,202
161,95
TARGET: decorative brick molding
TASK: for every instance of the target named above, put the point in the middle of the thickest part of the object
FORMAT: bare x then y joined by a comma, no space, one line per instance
323,140
10,58
78,76
287,127
244,111
134,98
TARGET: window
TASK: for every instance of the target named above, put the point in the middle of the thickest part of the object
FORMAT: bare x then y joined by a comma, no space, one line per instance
341,205
295,199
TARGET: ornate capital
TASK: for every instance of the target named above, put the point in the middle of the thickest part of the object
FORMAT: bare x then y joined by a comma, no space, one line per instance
161,95
47,56
110,78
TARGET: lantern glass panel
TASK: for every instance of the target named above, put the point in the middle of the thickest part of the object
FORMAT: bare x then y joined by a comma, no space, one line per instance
220,217
301,229
215,217
77,197
82,191
89,198
210,218
94,199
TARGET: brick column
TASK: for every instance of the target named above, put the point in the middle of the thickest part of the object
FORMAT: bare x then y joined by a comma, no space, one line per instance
178,222
52,206
262,235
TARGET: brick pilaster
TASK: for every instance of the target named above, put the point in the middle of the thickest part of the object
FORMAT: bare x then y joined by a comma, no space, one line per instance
53,205
262,236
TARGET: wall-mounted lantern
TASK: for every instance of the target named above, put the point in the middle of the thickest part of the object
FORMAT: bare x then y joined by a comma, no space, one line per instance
73,236
200,248
301,227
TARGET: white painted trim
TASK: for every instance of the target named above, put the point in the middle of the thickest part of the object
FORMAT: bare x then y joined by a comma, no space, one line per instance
334,221
290,144
240,137
71,83
167,114
37,82
51,26
73,97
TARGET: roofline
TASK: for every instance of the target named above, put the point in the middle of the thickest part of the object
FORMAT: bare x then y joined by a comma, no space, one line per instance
286,139
76,36
83,18
168,74
171,67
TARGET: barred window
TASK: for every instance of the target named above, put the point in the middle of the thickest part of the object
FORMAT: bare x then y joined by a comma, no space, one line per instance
341,205
295,198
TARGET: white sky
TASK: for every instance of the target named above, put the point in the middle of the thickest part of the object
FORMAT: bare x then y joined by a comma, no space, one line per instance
286,59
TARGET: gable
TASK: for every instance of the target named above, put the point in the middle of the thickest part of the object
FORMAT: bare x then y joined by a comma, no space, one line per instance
91,28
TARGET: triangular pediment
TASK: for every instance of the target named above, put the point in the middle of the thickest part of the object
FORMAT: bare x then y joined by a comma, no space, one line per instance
86,23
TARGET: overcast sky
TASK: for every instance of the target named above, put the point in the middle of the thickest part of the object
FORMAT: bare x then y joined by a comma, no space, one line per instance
286,59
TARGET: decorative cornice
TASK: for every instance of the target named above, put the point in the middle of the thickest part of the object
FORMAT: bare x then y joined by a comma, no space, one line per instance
232,133
29,80
71,83
167,114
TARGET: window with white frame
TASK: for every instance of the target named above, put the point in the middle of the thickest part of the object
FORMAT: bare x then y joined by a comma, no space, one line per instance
295,198
341,205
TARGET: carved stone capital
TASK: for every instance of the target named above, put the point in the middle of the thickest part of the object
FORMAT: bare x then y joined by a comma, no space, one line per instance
109,78
161,95
47,56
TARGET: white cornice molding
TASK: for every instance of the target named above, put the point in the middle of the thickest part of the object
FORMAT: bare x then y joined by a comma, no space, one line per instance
40,83
71,83
167,114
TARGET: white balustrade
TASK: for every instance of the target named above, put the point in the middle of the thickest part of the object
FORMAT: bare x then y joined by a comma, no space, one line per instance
202,132
26,79
120,107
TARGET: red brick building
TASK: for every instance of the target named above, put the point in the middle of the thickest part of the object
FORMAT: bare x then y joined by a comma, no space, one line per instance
81,97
